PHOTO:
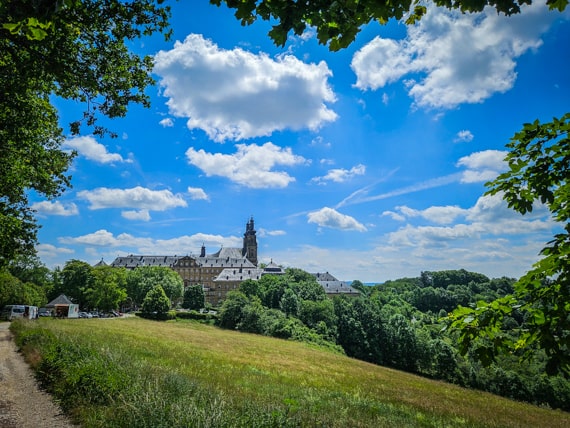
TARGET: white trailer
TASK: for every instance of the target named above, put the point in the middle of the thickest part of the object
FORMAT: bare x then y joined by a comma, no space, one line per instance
70,310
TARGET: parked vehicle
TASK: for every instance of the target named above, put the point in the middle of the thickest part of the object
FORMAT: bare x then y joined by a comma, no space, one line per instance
11,312
44,312
85,315
30,312
67,311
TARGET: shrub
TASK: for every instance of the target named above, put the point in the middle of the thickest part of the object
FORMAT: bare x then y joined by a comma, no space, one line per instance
156,304
231,312
194,315
170,315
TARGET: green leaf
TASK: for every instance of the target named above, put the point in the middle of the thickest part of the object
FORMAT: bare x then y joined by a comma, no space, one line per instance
13,28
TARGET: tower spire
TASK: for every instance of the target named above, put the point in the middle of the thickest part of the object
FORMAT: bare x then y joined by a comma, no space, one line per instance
249,249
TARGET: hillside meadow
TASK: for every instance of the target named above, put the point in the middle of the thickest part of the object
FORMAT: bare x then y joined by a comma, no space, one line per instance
139,373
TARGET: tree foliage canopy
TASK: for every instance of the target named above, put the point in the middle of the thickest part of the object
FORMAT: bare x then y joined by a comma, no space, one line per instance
156,303
76,50
14,291
338,22
142,279
106,288
539,165
75,278
194,297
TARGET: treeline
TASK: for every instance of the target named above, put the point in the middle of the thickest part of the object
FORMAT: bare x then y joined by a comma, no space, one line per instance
105,288
399,324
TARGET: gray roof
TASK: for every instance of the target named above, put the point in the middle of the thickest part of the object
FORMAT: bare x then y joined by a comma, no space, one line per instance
133,261
226,257
324,276
337,287
233,253
224,262
237,274
333,285
62,299
273,269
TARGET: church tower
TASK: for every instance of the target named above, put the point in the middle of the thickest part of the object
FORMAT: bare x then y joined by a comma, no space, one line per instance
249,249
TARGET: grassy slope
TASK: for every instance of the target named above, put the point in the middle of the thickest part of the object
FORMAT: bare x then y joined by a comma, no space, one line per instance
308,381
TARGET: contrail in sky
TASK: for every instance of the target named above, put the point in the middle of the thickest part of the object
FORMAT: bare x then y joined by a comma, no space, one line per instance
358,197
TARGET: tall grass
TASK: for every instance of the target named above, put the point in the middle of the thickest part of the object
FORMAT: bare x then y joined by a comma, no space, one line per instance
140,373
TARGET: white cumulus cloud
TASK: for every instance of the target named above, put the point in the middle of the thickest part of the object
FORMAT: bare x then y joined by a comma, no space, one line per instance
251,166
197,193
55,208
143,215
451,58
340,175
482,166
489,218
131,244
101,238
236,94
463,136
49,251
141,199
88,147
328,217
167,122
436,214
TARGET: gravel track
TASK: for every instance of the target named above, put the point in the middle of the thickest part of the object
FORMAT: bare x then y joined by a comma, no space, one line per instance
22,403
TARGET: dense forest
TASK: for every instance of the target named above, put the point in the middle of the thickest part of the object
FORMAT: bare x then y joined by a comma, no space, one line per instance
400,323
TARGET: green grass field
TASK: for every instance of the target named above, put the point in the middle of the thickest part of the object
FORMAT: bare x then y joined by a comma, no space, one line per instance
139,373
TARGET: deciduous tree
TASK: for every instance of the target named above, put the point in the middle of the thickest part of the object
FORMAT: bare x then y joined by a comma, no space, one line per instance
312,312
338,22
31,269
252,317
106,288
77,50
231,312
539,165
13,291
142,279
193,297
156,304
75,278
289,303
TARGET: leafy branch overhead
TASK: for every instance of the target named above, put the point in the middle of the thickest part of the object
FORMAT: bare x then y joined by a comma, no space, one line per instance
338,22
76,50
539,165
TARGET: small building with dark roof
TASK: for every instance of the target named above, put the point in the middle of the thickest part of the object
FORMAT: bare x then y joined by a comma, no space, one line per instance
334,287
62,299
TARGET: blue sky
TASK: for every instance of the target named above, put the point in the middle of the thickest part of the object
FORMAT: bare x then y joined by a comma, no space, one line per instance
369,163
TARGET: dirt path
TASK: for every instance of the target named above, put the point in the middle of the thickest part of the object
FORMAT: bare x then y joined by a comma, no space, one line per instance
22,403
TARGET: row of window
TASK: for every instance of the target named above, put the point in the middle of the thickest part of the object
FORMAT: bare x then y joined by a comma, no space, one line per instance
197,270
